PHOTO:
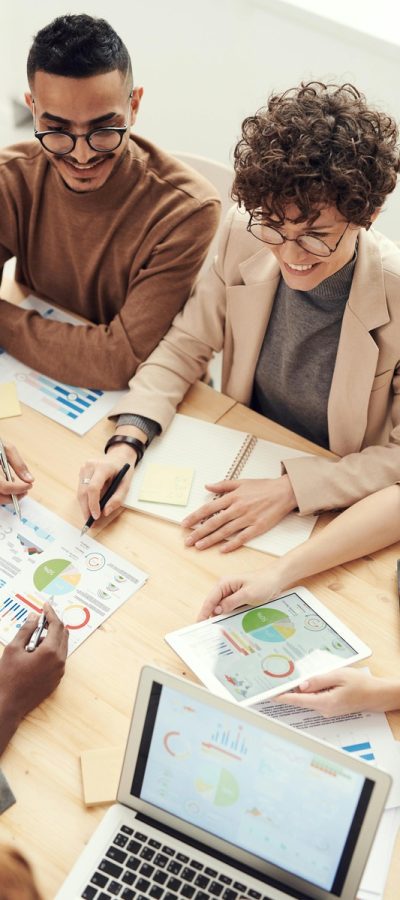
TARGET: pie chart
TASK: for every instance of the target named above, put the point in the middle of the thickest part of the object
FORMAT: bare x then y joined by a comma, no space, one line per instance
56,577
270,625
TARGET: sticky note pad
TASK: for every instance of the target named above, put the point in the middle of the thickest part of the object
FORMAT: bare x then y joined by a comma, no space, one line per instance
166,484
100,774
9,403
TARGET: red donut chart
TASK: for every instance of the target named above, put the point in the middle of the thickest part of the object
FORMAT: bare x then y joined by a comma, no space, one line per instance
277,666
80,624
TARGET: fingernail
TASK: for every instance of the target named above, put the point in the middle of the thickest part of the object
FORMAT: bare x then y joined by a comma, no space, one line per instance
218,610
189,541
305,685
28,475
31,618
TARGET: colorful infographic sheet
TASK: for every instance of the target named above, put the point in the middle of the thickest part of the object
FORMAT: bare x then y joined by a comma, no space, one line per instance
75,407
43,558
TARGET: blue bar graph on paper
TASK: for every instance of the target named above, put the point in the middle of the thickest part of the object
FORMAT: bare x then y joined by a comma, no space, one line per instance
363,750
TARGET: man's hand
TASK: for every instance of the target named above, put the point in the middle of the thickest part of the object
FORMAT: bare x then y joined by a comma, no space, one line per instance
95,476
242,510
243,590
28,678
340,692
23,481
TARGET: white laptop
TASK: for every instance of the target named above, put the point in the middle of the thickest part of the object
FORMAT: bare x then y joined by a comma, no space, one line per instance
218,801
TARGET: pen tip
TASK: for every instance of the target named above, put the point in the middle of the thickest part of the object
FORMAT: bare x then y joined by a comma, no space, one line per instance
84,530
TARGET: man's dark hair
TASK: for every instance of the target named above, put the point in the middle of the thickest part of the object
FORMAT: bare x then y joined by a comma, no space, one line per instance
78,47
316,145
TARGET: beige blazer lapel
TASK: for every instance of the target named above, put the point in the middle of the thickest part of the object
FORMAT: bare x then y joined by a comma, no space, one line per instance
249,307
357,355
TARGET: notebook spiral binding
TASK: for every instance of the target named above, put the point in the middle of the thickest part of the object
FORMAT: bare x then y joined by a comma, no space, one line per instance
237,466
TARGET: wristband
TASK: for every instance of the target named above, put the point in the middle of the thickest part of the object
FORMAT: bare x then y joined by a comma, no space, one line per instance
137,445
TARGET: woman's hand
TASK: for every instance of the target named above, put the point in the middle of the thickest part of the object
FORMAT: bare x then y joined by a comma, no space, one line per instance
243,590
23,480
345,691
241,511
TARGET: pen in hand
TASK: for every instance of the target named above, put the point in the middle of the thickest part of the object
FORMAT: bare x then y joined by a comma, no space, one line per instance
37,634
108,494
8,476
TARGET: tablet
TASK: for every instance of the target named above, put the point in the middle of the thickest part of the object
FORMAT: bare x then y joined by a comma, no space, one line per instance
264,650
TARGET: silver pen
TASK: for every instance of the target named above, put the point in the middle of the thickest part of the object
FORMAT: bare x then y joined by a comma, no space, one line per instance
37,634
8,476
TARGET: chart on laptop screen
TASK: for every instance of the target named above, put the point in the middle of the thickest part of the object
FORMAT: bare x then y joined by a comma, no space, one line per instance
263,793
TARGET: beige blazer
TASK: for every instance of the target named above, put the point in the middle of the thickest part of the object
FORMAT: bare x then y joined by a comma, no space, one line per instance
230,309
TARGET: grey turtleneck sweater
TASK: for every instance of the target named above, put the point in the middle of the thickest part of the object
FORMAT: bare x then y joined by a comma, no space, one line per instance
294,370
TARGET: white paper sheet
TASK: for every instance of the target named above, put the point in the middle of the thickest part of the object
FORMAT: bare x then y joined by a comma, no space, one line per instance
43,558
75,407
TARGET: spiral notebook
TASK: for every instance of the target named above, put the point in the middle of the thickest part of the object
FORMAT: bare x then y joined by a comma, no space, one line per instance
208,453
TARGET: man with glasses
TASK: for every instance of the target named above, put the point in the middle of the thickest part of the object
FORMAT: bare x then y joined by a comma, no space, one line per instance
102,224
304,301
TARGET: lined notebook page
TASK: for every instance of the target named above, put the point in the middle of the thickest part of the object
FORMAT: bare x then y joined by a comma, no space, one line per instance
211,450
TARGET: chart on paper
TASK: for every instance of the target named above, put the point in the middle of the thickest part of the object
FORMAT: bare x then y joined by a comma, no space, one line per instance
44,559
75,407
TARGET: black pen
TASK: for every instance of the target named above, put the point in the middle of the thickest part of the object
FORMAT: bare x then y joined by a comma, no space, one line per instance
109,492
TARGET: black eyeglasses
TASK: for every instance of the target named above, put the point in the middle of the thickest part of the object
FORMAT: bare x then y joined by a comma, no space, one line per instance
101,140
269,235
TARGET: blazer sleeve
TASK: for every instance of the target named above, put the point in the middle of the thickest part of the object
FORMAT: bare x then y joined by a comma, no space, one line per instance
181,358
321,484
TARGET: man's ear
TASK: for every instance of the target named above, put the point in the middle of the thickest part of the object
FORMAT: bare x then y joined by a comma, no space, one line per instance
29,100
136,97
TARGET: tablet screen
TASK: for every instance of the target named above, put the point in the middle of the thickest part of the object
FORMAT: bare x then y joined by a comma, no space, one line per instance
265,648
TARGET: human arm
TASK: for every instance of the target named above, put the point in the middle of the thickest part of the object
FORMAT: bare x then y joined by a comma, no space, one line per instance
105,356
367,526
23,481
345,691
26,679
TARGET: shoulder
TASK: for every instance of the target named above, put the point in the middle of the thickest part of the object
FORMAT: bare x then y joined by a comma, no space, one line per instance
21,165
19,156
171,176
389,254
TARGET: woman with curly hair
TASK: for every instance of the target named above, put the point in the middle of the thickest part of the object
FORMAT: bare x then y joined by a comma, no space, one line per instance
304,301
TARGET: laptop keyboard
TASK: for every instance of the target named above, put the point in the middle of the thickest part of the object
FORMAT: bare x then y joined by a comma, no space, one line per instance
137,867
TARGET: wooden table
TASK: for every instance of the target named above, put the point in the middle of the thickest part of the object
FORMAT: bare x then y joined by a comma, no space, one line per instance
91,708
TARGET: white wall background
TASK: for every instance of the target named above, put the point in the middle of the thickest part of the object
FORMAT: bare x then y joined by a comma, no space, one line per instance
205,64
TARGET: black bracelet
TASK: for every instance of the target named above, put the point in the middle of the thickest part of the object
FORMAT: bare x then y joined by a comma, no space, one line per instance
137,445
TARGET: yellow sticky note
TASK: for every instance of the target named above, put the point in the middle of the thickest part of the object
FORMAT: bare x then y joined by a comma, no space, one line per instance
100,774
166,484
9,403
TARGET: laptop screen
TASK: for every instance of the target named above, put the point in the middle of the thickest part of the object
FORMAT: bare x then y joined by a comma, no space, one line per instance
286,804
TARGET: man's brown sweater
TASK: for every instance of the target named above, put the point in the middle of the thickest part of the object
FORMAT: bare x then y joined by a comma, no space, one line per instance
124,257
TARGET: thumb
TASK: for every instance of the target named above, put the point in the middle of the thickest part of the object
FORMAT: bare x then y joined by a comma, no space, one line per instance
238,598
221,487
319,683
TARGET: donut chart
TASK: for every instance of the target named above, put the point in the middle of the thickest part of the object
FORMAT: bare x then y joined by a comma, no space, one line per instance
270,625
56,577
276,665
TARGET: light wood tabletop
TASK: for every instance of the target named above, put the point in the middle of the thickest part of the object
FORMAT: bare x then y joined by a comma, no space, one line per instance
91,708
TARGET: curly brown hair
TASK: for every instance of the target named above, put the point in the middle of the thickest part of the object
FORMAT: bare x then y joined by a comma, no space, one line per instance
316,145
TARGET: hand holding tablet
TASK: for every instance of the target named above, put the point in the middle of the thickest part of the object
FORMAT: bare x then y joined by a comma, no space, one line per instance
266,650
